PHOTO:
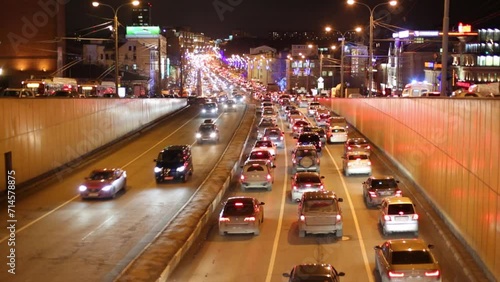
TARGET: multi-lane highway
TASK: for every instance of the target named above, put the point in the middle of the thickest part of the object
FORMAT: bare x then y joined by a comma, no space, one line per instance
278,247
60,237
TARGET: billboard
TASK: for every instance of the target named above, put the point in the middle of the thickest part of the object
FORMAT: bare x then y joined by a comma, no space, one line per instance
143,32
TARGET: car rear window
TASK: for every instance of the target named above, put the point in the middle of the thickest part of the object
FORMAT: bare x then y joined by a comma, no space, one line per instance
305,153
401,209
308,178
259,155
308,138
238,208
327,205
413,257
384,183
338,130
358,157
255,168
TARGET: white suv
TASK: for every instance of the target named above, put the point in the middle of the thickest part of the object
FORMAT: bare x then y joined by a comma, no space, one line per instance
397,214
257,174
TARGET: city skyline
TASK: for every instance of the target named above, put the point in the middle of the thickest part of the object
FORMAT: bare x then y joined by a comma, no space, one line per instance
218,18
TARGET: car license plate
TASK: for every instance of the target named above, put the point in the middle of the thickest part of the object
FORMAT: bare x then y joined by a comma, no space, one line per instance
401,218
93,194
169,177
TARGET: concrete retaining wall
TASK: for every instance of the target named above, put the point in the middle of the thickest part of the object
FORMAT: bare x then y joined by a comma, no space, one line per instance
45,134
451,149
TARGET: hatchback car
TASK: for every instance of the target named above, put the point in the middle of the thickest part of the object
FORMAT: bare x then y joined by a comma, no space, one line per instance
406,260
241,215
318,272
260,155
337,134
356,163
297,127
305,182
257,174
276,135
310,138
357,144
398,214
103,183
174,162
305,158
207,132
377,188
266,145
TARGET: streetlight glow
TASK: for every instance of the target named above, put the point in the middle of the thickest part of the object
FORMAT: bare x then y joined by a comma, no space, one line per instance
328,29
370,46
95,4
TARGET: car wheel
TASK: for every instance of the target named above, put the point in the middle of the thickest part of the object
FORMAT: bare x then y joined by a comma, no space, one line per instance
257,232
302,233
221,233
339,233
384,231
415,233
185,178
269,187
124,185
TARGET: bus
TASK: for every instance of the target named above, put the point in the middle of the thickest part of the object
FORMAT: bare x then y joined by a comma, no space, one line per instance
96,88
47,86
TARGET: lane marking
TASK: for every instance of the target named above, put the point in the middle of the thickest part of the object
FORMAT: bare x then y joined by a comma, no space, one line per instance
77,196
282,210
100,225
355,218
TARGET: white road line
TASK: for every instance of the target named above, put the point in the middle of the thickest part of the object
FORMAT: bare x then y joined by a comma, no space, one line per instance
77,196
41,217
100,225
356,222
280,218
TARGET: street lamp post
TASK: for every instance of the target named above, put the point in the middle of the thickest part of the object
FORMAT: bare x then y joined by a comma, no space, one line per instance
370,47
115,34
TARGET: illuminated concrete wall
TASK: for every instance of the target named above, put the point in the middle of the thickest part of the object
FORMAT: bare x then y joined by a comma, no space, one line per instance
451,148
45,134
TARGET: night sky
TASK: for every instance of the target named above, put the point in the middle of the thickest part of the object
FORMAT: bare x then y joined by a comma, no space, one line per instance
217,18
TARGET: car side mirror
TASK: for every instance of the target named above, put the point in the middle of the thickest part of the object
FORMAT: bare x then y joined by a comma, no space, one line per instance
341,274
397,181
430,246
340,200
364,182
154,160
377,248
322,177
287,275
262,203
274,166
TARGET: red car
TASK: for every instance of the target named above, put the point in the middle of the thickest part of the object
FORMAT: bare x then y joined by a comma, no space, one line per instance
103,183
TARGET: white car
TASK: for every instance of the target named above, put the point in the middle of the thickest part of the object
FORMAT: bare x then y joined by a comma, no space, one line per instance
266,145
269,113
257,174
398,214
357,163
337,134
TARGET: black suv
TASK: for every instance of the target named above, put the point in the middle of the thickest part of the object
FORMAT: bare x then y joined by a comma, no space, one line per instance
174,162
310,138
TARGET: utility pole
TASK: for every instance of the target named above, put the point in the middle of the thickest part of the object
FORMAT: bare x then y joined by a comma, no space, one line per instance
444,56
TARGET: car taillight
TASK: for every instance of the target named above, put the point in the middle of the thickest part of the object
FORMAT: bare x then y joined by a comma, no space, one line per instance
394,274
251,218
320,143
369,163
387,217
268,177
281,137
242,177
224,219
415,216
434,273
308,185
295,187
399,193
367,147
339,218
372,194
349,148
321,187
294,128
302,217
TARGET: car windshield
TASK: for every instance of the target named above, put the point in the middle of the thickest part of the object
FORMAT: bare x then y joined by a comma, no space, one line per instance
263,144
411,257
384,183
238,207
206,127
101,175
326,205
358,157
170,156
210,105
401,209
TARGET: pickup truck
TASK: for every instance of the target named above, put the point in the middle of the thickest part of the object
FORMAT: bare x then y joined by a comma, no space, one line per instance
320,213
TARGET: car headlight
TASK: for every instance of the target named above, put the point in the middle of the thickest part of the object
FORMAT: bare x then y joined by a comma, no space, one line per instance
213,135
225,106
107,188
213,110
203,111
198,135
82,188
181,169
157,169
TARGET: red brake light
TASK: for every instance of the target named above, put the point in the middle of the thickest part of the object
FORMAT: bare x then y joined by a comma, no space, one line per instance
349,148
259,153
321,187
308,185
294,187
372,194
268,177
367,147
399,193
224,219
242,177
369,163
238,204
394,274
251,218
302,217
339,218
387,218
432,273
415,216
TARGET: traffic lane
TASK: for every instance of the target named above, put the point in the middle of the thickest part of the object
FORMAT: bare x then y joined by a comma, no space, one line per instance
94,229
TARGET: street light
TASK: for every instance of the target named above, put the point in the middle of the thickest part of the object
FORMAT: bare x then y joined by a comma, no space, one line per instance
370,47
115,33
